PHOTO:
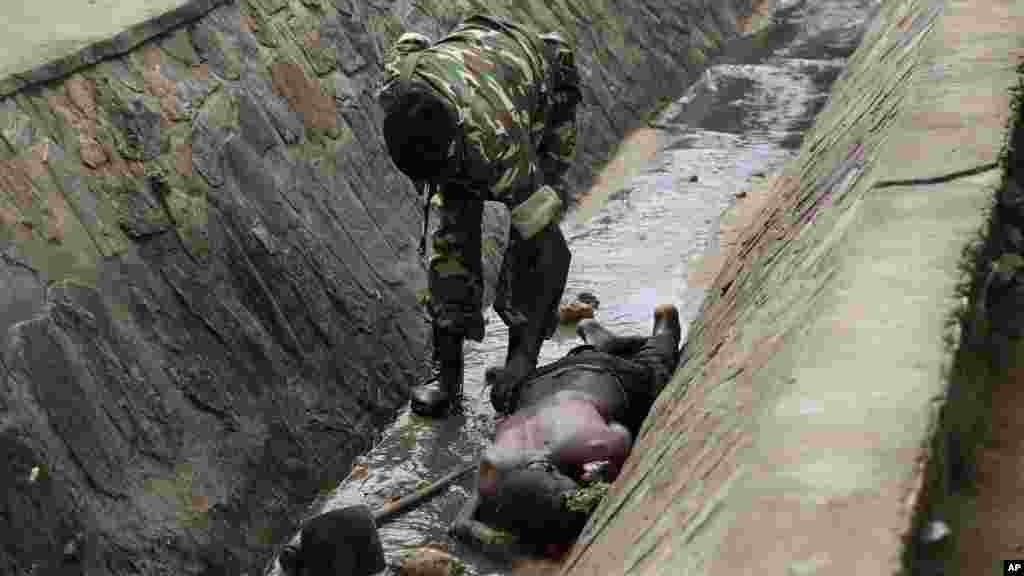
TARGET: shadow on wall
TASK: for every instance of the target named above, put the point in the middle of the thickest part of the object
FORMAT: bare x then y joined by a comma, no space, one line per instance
964,523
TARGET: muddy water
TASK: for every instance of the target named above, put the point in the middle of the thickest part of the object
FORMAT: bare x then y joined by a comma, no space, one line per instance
633,240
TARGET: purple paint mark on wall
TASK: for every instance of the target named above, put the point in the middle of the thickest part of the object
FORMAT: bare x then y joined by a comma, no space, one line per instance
839,180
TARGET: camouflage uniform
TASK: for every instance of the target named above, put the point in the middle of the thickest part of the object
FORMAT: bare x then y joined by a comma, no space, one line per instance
514,94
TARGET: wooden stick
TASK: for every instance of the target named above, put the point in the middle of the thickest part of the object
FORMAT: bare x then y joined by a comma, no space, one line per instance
388,511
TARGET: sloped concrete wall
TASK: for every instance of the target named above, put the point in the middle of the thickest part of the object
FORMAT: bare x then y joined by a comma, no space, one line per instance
208,270
794,438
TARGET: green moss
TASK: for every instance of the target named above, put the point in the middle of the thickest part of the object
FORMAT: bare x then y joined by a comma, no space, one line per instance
268,6
263,536
184,205
220,110
585,499
232,63
33,102
261,24
423,296
12,123
179,46
490,536
178,490
101,226
387,29
191,220
696,57
303,25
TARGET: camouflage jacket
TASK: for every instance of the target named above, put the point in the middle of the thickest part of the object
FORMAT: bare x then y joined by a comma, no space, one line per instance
514,93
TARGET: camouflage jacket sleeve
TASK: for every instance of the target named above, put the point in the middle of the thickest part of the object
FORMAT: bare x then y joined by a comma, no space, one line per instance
557,148
558,144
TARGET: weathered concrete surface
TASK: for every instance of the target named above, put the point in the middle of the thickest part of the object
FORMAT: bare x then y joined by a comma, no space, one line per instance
973,494
49,39
793,440
209,265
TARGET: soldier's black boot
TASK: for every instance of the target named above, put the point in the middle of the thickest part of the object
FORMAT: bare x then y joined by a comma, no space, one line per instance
441,393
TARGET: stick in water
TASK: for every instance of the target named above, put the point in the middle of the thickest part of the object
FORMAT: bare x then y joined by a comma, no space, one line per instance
392,509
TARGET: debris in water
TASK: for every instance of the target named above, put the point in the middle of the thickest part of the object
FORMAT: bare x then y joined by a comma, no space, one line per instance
693,178
34,475
430,562
359,471
935,531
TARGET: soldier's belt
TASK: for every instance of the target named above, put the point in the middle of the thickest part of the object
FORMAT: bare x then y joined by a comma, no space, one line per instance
534,213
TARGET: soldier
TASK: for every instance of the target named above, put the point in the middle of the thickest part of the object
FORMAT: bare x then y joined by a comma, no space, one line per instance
486,113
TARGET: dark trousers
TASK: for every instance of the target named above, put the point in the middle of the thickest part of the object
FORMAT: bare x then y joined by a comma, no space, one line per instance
532,278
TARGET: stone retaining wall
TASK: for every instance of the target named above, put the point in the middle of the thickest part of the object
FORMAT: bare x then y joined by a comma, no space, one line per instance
208,270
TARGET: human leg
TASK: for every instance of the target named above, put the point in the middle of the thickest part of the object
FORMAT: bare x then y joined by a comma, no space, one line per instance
604,340
456,288
530,286
661,351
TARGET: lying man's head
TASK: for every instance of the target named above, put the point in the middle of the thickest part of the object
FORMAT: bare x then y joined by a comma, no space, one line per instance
530,500
419,130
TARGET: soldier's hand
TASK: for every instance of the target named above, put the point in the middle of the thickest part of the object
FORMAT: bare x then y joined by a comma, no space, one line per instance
502,390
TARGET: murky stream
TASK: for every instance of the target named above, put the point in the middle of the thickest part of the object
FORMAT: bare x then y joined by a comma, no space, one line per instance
633,240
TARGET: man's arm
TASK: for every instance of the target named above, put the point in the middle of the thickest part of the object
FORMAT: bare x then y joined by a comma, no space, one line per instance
558,145
557,150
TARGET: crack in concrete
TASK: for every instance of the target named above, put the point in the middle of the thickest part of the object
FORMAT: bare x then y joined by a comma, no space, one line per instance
16,262
937,179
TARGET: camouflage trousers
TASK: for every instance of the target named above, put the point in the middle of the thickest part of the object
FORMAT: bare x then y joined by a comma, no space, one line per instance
530,284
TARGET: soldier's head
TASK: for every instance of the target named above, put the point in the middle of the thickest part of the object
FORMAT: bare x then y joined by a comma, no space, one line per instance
420,132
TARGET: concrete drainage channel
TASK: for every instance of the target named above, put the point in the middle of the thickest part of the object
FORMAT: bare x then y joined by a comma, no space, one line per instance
968,520
634,242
